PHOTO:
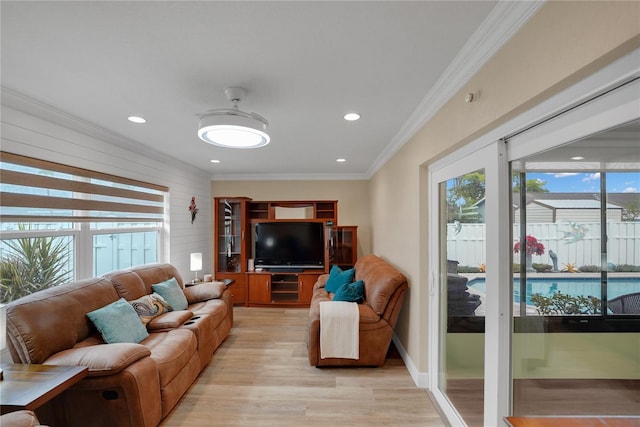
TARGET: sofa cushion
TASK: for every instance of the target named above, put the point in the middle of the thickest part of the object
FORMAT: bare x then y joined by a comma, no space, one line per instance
127,283
118,322
204,291
172,351
351,292
171,291
150,306
33,340
216,308
156,273
337,278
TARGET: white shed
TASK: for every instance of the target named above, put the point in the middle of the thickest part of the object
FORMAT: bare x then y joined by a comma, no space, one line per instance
568,210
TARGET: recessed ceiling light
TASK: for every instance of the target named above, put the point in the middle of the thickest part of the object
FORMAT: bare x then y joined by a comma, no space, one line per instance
136,119
215,161
577,158
351,117
341,160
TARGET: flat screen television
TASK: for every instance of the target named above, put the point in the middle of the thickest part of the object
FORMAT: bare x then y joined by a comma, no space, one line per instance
298,244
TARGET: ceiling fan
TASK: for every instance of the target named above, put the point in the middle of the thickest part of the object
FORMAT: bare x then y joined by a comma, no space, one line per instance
231,127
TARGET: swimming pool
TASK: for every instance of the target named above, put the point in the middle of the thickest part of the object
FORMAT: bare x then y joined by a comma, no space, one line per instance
573,286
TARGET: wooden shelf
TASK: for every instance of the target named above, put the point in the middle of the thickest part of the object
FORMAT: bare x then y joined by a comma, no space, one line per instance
266,210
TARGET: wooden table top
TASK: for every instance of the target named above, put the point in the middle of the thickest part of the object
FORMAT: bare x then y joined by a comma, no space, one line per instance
30,386
586,421
227,283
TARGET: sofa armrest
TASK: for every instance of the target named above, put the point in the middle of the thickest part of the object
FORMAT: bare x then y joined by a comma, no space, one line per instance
102,359
170,320
204,292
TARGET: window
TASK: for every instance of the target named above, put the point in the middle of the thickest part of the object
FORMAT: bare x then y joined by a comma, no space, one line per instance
54,215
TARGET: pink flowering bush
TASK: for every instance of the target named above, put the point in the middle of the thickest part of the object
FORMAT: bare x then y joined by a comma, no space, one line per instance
532,246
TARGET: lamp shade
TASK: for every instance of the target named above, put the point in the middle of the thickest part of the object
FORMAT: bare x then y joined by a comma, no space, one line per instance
196,261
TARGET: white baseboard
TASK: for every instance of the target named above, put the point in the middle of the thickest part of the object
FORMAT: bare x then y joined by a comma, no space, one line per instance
421,379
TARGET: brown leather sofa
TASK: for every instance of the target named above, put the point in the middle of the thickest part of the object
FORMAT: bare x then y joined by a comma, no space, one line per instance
128,384
385,289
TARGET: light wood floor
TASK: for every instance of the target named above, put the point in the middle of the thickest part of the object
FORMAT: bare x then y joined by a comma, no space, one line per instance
260,376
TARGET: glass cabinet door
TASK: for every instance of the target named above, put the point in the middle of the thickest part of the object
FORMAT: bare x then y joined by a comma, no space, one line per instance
343,246
230,236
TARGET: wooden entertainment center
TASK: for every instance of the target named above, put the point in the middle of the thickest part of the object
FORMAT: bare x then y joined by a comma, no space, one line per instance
234,221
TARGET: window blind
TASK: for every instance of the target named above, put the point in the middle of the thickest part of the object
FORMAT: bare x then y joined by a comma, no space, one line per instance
34,190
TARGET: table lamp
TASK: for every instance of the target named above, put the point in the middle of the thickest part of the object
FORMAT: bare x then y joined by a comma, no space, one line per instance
196,264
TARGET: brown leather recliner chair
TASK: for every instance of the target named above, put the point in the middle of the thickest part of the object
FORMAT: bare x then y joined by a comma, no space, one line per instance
385,288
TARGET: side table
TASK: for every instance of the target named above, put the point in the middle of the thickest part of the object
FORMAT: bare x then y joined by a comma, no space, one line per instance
31,386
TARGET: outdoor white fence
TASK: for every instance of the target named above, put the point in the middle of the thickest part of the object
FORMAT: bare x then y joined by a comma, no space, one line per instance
572,245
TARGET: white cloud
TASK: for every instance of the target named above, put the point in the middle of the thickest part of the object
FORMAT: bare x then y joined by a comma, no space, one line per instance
591,177
563,174
630,190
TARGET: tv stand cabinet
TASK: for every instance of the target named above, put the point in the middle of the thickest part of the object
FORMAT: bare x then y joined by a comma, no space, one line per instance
282,289
234,219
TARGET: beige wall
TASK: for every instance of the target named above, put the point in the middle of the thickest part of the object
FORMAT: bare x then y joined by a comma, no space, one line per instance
563,42
352,196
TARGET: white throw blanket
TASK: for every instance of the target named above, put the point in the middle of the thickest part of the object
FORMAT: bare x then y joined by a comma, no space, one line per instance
339,330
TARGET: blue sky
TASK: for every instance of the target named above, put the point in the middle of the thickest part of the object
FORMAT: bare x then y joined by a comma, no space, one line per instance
620,182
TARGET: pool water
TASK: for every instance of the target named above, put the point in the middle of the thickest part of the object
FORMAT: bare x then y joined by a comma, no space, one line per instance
587,286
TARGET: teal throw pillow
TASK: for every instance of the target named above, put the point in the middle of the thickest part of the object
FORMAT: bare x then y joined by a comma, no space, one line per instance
337,278
171,291
118,322
351,292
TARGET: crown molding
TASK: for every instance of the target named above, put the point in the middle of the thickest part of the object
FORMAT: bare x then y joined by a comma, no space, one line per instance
506,18
289,177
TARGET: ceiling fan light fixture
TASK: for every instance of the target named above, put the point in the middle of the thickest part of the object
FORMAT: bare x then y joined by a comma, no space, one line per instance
233,128
233,131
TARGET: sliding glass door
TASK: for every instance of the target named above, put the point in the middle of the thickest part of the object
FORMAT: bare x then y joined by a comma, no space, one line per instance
466,288
552,320
576,335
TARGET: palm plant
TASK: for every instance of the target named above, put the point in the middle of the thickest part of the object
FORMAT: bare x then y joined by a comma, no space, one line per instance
32,264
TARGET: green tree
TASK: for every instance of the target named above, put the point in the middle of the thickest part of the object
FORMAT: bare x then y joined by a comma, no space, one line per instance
32,264
469,187
533,185
463,192
631,212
